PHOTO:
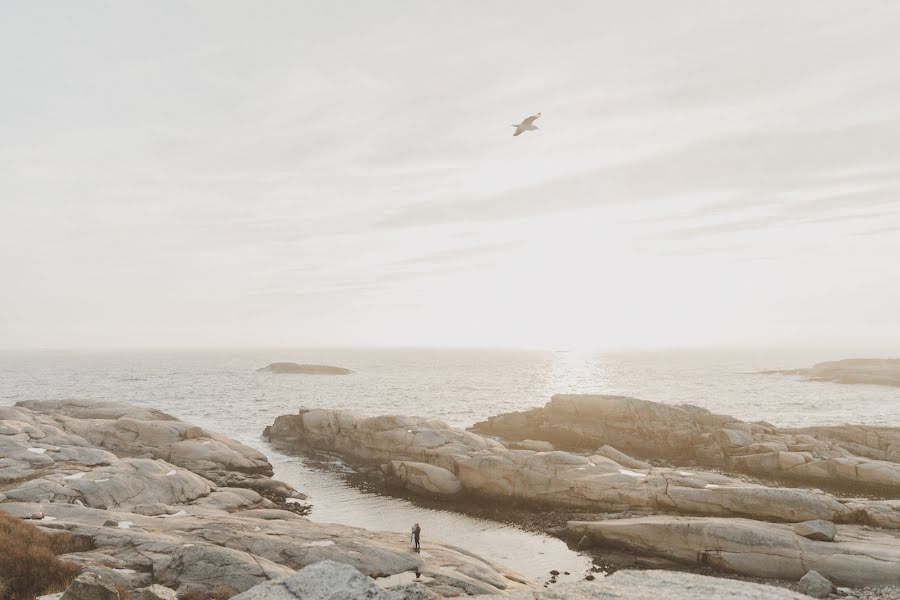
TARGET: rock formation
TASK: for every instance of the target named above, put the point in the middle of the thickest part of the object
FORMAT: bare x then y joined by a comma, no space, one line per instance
143,488
90,586
857,556
334,581
746,528
457,461
877,371
847,457
329,580
289,368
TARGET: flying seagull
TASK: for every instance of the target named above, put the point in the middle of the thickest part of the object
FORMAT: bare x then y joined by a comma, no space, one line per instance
527,124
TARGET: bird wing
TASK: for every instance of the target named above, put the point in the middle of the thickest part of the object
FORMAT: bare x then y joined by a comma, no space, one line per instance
518,131
531,119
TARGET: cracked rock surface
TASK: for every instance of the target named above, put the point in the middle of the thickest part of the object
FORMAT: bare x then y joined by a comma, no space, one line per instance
486,467
847,456
700,518
334,581
167,503
858,556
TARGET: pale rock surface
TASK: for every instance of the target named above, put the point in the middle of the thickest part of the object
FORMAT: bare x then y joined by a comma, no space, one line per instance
622,458
334,581
423,477
861,556
330,580
841,456
90,586
119,484
656,584
534,445
485,467
169,524
209,547
154,592
132,431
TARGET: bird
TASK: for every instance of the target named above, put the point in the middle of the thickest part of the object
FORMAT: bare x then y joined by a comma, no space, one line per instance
527,124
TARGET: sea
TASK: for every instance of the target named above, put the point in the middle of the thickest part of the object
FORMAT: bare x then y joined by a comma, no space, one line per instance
222,390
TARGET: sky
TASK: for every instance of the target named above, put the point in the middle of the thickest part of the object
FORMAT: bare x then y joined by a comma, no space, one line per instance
219,173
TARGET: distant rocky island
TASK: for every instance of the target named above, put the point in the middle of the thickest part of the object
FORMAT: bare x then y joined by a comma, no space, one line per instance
876,371
290,368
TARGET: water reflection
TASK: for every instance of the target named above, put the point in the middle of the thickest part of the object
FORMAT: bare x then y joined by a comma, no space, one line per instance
573,371
335,501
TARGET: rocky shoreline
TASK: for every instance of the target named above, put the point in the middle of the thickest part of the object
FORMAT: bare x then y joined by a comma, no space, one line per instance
161,502
163,509
682,513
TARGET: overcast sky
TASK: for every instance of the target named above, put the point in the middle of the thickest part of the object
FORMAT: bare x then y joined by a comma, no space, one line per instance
343,173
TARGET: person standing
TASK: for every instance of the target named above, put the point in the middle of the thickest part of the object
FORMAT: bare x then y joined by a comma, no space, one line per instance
416,532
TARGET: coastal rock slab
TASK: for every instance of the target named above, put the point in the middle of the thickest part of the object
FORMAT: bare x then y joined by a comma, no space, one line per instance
861,557
334,581
126,482
622,458
484,467
135,431
205,547
73,467
326,580
851,456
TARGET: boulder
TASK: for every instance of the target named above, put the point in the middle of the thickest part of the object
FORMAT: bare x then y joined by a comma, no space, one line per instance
153,592
90,586
821,531
813,584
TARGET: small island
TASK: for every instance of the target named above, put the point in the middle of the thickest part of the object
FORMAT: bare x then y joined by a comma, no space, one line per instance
875,371
290,368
